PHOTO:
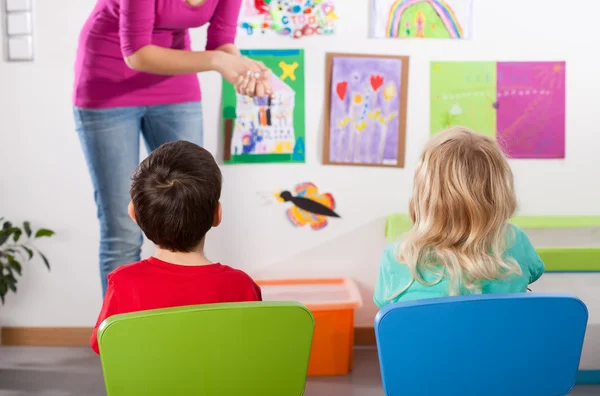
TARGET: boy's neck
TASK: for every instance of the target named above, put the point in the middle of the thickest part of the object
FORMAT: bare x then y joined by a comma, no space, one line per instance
194,258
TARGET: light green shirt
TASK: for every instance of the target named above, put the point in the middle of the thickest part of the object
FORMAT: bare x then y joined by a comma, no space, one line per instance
394,276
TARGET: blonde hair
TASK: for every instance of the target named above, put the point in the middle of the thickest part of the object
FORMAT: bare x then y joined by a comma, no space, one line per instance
463,196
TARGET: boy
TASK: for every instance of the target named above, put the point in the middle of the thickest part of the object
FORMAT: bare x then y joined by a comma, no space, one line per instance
175,196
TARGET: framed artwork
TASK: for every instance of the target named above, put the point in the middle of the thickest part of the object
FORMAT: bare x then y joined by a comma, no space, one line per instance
521,104
438,19
267,129
365,110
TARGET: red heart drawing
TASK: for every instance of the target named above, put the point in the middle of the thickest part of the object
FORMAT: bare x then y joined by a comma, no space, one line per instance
376,81
341,88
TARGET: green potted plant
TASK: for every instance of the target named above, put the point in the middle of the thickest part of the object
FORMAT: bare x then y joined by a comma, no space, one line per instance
16,249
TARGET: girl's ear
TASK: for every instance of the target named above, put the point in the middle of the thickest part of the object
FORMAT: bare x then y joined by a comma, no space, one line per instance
131,211
218,215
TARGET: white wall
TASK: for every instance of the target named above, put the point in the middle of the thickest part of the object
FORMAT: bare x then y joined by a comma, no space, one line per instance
43,176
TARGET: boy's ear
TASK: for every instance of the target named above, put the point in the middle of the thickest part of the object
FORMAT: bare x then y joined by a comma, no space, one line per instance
218,215
131,212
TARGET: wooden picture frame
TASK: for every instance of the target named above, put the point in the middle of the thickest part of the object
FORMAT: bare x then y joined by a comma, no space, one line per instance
349,129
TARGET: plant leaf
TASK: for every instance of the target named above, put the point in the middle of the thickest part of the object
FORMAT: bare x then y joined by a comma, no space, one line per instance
3,288
11,282
14,264
4,234
7,224
43,232
29,251
17,234
45,260
27,228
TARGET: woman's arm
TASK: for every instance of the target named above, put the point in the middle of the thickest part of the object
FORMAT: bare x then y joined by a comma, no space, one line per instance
136,23
230,49
167,61
223,25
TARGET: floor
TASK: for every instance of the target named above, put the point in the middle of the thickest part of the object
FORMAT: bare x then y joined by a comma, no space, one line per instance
76,372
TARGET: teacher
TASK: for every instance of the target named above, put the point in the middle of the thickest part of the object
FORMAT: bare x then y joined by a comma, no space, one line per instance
135,73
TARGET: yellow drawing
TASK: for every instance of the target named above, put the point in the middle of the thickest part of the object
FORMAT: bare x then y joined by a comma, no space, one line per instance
361,126
420,23
388,119
283,147
358,98
389,91
331,16
288,70
377,116
344,122
374,114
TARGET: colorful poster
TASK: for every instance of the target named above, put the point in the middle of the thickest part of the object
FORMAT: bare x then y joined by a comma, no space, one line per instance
521,104
293,18
441,19
267,129
366,119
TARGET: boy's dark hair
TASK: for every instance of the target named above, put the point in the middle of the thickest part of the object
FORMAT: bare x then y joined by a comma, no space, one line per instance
175,193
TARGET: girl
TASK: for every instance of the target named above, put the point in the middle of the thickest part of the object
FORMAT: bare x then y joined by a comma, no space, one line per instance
460,242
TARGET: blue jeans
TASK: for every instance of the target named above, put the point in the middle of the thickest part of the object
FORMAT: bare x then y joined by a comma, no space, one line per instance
110,139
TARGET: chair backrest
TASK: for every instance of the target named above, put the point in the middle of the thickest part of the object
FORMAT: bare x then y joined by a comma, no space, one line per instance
506,345
250,349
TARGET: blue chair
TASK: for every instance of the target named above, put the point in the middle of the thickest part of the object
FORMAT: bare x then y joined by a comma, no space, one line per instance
484,345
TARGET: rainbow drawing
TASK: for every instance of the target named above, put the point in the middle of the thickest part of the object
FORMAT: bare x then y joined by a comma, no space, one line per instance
422,18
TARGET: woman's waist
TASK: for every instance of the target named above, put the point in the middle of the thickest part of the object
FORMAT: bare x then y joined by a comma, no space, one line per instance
94,88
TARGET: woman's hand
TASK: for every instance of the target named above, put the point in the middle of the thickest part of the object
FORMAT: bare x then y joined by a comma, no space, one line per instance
249,77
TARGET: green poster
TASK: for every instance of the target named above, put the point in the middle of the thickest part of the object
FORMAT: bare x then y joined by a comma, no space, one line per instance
463,93
267,130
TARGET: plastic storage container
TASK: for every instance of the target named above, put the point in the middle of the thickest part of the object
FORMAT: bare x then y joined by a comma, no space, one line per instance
332,302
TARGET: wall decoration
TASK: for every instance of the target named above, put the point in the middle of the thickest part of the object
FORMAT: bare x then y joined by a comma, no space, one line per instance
521,104
442,19
296,19
309,206
267,129
365,116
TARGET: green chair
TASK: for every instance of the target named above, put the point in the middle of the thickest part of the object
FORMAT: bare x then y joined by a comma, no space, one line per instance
233,349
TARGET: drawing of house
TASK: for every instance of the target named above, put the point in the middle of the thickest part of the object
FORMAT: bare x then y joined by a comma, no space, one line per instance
265,125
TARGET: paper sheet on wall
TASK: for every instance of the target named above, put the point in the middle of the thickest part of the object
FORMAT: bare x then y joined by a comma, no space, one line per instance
367,110
521,104
449,19
288,18
259,130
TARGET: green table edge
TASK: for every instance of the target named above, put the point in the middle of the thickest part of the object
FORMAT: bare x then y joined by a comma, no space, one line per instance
556,259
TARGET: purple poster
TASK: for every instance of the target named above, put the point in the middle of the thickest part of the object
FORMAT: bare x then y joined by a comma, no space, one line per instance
531,109
365,109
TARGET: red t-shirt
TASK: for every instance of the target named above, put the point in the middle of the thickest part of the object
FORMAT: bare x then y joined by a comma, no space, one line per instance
152,284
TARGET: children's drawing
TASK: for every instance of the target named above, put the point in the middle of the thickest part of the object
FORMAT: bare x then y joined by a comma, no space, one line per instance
531,109
293,18
521,104
267,129
366,121
309,206
442,19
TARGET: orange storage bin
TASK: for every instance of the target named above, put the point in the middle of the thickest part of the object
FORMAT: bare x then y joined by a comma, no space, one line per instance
332,302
